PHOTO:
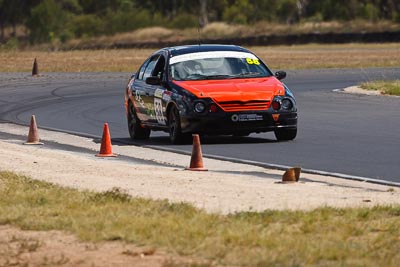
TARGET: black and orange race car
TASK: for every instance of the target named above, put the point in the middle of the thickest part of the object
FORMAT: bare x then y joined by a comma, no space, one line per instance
208,89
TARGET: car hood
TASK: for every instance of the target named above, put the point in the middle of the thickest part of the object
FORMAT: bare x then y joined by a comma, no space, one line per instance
235,89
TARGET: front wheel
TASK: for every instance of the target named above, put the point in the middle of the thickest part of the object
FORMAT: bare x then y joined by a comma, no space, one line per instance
285,134
175,131
136,131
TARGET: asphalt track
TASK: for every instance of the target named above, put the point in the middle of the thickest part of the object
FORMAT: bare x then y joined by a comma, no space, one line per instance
355,135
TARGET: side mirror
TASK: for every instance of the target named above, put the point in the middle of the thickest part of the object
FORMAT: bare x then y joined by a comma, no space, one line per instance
280,75
153,80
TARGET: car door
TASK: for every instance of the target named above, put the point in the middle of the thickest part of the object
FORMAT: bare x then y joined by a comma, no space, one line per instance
156,93
141,91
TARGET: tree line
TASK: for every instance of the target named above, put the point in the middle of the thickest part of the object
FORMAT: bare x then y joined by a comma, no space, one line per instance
46,20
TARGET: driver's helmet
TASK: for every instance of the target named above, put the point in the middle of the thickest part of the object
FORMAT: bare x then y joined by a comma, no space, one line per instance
192,67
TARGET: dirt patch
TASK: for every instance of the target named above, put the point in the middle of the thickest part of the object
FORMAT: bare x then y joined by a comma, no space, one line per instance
55,248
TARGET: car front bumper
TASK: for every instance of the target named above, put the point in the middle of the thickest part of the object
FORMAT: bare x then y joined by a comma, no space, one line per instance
238,123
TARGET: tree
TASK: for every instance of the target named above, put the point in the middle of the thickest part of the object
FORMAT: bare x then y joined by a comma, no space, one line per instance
240,11
287,11
203,13
46,21
301,8
2,19
14,13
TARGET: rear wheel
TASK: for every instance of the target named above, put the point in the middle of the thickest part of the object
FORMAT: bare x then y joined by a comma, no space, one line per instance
136,131
285,134
175,131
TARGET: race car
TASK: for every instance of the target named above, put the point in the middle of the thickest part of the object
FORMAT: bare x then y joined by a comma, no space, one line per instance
208,90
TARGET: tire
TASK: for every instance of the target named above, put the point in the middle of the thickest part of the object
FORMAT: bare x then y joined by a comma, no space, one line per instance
136,131
175,131
285,134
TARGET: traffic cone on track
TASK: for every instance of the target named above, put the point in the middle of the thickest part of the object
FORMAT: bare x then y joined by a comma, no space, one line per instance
105,148
33,135
35,69
196,161
291,175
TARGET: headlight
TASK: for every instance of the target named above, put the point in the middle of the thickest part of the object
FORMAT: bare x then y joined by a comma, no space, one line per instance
199,107
287,104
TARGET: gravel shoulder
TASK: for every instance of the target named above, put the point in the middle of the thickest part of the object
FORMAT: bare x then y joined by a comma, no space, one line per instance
226,188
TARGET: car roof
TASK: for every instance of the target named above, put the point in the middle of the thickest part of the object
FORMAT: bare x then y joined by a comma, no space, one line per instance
187,49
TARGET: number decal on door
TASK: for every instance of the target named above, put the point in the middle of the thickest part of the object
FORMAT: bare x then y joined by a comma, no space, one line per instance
159,111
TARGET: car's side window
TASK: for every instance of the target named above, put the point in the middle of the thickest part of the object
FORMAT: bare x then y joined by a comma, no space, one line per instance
150,67
139,75
159,68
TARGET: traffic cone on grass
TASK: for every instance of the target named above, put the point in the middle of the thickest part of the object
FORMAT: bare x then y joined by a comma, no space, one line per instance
292,175
196,161
33,135
105,148
35,69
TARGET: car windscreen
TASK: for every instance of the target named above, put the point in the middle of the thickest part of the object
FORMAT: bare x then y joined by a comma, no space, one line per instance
217,65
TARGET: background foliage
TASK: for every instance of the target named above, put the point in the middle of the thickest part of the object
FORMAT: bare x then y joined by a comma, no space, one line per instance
45,20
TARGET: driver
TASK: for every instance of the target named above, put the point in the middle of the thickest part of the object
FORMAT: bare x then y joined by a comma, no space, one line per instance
192,67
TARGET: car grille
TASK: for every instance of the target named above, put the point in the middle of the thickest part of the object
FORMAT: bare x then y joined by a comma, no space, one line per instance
232,106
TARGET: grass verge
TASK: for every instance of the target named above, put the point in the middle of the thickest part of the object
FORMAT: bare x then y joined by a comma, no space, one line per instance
277,57
325,236
386,87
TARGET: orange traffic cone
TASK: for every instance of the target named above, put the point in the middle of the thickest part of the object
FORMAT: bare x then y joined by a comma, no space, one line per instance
291,175
35,69
33,135
105,148
196,161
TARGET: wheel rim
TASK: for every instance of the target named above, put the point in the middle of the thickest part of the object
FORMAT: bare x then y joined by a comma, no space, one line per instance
172,124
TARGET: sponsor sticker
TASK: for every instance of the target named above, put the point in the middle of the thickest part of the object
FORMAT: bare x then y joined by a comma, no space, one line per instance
235,117
139,99
167,96
159,93
246,117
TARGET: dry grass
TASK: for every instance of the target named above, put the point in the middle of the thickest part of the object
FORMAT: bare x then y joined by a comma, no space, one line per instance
152,34
75,61
218,30
277,57
330,56
324,26
385,87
